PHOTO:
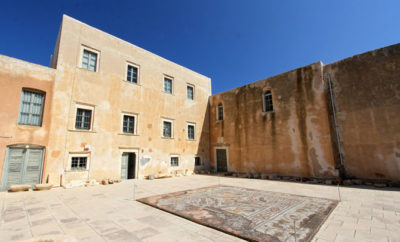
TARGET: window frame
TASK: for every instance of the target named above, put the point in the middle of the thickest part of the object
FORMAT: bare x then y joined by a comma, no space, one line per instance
78,155
264,108
172,84
135,122
128,63
218,111
84,107
162,128
170,160
89,49
19,122
193,91
187,130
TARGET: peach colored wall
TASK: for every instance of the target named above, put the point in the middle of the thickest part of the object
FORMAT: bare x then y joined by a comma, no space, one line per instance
293,140
14,76
110,96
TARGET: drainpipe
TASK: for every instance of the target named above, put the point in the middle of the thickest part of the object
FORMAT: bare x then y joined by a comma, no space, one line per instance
342,173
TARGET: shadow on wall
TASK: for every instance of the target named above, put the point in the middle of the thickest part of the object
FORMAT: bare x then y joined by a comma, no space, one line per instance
204,143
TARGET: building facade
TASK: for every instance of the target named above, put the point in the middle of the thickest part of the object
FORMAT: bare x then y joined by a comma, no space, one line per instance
106,109
324,121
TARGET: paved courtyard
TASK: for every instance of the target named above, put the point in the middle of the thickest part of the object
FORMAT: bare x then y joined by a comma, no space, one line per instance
109,213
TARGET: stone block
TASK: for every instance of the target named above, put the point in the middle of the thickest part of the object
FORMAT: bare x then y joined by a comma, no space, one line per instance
39,187
19,188
379,185
346,182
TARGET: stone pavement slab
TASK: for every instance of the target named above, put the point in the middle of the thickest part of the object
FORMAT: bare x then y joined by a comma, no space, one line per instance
109,213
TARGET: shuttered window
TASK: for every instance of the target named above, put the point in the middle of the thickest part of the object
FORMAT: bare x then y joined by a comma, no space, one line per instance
31,108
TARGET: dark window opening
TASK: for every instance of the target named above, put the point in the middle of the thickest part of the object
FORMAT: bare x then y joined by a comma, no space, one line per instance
174,161
220,111
83,119
197,161
78,163
268,106
128,124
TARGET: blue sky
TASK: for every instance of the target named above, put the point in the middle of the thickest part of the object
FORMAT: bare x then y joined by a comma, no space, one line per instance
233,42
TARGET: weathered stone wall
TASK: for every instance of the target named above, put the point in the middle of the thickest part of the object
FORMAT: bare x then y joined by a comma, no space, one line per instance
293,140
366,90
14,76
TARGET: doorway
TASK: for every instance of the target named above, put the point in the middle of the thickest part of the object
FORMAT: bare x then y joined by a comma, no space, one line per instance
128,165
222,163
23,165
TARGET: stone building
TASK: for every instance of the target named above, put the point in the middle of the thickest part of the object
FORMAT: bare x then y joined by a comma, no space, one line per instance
108,109
340,119
103,109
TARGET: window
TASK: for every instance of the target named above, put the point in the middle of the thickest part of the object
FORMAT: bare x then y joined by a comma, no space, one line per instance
197,161
174,161
190,131
79,163
220,112
31,108
132,74
268,107
89,60
128,124
83,118
167,85
167,129
190,92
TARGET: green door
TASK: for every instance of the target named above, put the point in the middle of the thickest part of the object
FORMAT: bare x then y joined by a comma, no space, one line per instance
222,165
23,166
124,166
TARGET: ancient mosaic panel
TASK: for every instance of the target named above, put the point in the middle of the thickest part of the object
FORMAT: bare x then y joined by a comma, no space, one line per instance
247,213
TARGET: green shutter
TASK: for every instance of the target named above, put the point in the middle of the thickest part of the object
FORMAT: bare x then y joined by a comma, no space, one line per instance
33,166
124,166
15,166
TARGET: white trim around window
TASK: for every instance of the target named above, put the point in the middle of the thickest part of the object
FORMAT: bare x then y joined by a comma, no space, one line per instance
84,107
174,161
135,123
128,63
193,91
78,155
97,52
164,133
166,89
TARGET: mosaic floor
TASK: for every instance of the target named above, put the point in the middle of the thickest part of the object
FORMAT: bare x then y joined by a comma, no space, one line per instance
249,214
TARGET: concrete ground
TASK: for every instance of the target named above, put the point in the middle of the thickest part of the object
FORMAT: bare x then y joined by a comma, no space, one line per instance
109,212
